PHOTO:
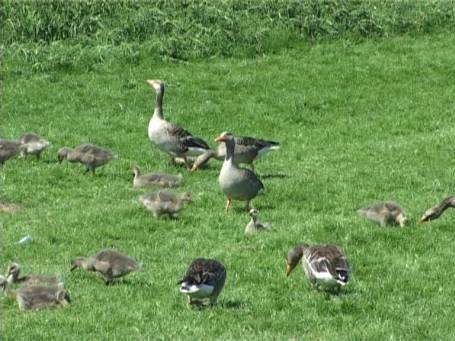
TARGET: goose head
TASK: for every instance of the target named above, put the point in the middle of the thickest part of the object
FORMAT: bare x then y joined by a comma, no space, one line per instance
14,270
156,85
62,154
136,171
81,262
63,297
225,137
294,256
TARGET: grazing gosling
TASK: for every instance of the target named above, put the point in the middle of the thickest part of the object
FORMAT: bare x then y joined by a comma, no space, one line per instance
13,273
436,211
325,265
254,225
89,155
384,213
8,149
36,297
110,263
155,179
203,280
164,202
32,144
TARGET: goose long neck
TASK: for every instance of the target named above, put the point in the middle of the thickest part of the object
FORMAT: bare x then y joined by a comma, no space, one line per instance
230,146
159,103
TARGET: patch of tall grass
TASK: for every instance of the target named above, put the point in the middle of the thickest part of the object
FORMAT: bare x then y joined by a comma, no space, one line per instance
62,34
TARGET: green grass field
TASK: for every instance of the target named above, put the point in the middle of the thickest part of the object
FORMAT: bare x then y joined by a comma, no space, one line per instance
357,123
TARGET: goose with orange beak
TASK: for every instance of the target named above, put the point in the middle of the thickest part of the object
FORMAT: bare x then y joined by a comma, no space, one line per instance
237,183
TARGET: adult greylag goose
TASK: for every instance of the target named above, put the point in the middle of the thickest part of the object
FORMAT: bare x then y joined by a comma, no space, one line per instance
247,149
203,280
436,211
169,137
325,265
110,263
33,144
8,149
384,213
13,277
165,202
90,155
155,179
237,183
255,225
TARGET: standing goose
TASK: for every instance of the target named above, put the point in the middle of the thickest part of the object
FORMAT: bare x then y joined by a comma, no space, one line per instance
32,144
436,211
169,137
254,225
90,155
110,263
325,265
384,213
155,179
247,149
204,279
8,149
28,280
237,183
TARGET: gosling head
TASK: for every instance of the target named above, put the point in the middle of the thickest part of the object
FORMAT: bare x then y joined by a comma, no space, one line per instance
63,297
156,84
80,262
429,214
186,197
401,219
136,171
62,154
293,257
253,213
13,272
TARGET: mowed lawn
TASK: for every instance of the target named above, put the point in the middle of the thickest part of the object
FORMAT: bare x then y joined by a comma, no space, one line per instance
357,123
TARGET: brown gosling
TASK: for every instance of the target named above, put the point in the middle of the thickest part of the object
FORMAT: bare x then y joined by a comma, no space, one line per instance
33,144
155,179
8,149
109,263
89,155
36,297
13,277
255,225
165,203
436,211
384,213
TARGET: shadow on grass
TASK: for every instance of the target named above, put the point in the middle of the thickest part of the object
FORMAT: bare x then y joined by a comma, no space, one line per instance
275,176
233,304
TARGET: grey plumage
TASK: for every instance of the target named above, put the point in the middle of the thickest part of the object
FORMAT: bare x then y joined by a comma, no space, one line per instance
246,150
33,144
110,263
91,156
325,265
155,179
165,202
13,277
237,183
384,213
436,211
254,224
8,149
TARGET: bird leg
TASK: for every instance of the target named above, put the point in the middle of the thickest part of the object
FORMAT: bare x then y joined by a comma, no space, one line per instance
247,206
228,204
86,171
